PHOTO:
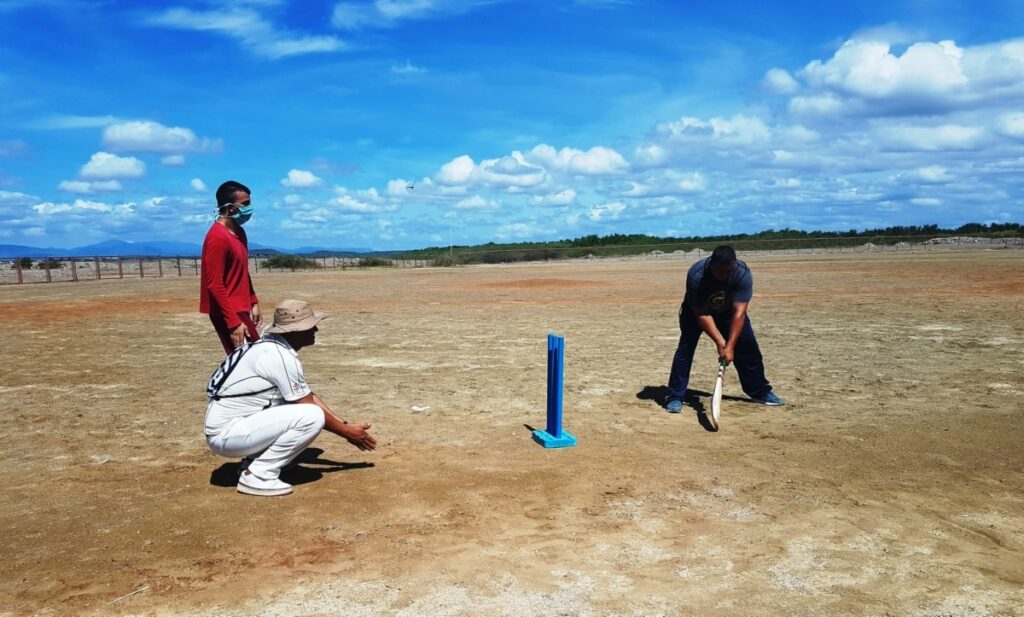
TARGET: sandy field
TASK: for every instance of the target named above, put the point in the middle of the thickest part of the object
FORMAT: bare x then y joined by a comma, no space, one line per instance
892,482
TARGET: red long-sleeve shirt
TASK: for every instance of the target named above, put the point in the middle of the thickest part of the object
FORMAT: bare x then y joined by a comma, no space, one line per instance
225,282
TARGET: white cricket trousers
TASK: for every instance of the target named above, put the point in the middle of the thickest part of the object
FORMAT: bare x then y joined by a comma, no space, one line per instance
276,434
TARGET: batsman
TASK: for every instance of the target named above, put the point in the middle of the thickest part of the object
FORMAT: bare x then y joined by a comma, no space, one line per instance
718,291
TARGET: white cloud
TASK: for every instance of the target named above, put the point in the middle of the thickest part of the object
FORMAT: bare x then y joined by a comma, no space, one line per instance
926,201
13,198
75,122
298,178
82,187
929,138
779,81
509,172
146,136
869,69
666,182
198,185
596,161
606,211
1012,124
82,206
519,231
739,130
389,13
401,187
251,29
477,202
106,166
173,160
457,171
561,198
407,69
865,77
933,173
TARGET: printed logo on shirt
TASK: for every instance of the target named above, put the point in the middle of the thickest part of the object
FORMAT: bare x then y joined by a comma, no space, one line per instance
716,302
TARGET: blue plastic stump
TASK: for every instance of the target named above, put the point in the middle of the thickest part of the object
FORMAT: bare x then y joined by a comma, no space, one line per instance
554,436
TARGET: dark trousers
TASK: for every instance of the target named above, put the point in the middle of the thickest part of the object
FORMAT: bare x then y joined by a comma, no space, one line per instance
747,360
224,333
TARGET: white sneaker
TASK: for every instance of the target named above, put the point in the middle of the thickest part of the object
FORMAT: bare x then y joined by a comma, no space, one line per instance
254,485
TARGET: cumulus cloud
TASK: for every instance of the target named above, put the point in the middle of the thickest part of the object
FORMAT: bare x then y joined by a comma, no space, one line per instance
606,211
596,161
198,185
173,160
14,198
779,81
82,206
929,138
512,171
866,77
477,202
250,29
82,187
146,136
298,178
106,166
666,182
561,198
870,69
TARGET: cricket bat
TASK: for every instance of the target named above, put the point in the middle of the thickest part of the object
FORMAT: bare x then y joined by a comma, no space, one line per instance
716,398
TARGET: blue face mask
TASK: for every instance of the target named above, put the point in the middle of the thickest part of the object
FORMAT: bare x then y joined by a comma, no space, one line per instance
243,215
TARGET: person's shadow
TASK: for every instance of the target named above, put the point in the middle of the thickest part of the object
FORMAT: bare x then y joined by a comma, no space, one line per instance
296,472
693,400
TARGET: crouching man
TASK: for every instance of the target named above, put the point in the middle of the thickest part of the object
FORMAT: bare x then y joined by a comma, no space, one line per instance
262,409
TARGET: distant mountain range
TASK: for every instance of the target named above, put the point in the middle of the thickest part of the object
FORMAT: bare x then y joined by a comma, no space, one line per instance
121,248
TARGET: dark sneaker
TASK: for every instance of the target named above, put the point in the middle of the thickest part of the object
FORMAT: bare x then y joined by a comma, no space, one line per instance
769,399
674,406
254,485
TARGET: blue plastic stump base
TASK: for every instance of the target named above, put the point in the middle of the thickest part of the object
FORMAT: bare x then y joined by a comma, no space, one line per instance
546,439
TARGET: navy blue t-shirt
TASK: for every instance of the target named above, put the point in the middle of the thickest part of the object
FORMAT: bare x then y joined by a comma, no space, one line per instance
704,291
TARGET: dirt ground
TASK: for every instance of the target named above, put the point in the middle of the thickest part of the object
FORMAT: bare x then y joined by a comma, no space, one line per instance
892,482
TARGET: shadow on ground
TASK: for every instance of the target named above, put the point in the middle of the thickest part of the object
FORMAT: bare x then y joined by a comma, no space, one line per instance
297,472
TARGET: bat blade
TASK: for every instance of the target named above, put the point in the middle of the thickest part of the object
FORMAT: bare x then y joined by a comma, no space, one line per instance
716,398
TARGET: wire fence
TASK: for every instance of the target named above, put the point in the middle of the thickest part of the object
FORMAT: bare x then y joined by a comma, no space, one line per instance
77,269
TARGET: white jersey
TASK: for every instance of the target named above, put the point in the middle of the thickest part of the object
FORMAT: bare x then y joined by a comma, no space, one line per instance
264,374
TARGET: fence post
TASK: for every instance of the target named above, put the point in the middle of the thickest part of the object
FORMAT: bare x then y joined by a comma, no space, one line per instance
195,265
17,267
256,264
74,270
178,260
160,267
141,269
120,268
46,264
97,258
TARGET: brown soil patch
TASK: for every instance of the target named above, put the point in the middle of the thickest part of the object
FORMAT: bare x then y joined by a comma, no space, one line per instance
891,482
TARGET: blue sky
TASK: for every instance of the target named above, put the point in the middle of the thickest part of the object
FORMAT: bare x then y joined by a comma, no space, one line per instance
410,123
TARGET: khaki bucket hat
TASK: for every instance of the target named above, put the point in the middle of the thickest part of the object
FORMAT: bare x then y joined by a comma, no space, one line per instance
294,316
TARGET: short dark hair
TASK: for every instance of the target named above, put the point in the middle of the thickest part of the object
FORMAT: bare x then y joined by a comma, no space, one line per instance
723,255
226,192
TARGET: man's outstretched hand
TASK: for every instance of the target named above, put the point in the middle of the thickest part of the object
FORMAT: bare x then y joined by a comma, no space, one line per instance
357,435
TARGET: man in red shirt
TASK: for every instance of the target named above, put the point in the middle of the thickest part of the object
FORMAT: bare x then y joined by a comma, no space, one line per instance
225,289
